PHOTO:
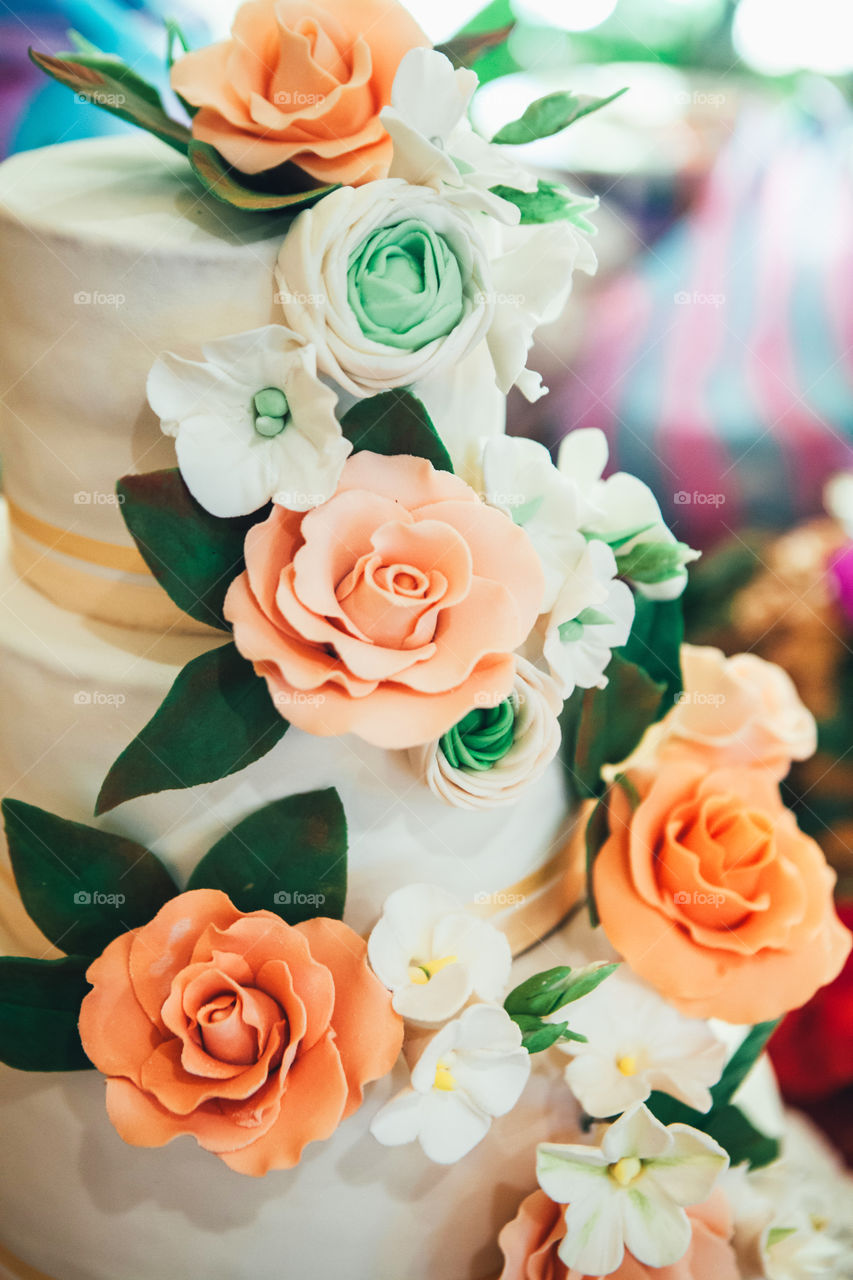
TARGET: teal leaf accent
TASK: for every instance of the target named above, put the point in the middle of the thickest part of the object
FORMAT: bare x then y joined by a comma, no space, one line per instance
107,83
395,422
287,188
193,555
549,115
39,1007
82,887
653,562
594,618
550,202
289,857
217,718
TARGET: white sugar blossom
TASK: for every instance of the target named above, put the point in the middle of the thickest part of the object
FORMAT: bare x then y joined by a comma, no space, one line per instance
592,616
637,1043
434,144
251,423
456,770
471,1071
629,514
630,1192
433,955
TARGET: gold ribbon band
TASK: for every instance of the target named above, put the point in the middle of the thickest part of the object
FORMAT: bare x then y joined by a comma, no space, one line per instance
16,1269
107,555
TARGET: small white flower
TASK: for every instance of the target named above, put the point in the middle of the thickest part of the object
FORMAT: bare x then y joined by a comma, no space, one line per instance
251,423
471,1071
626,506
630,1192
434,144
534,706
591,617
799,1247
434,955
637,1043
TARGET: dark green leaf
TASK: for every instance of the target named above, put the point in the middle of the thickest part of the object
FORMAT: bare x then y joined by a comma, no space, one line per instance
550,115
742,1061
465,49
550,203
547,992
108,83
392,423
612,721
82,887
237,189
655,645
739,1136
193,555
536,1035
289,857
217,718
39,1007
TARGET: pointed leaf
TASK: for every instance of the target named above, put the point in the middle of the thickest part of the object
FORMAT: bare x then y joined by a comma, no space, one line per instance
550,115
193,555
39,1007
174,35
289,857
536,1035
232,187
217,718
613,720
82,887
395,422
551,202
546,993
464,50
742,1061
655,645
109,84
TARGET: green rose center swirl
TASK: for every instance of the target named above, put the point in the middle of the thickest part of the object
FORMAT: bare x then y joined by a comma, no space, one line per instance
481,738
405,286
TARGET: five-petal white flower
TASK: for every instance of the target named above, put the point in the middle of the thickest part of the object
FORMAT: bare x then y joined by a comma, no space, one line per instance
471,1071
592,616
637,1043
433,955
253,422
631,1191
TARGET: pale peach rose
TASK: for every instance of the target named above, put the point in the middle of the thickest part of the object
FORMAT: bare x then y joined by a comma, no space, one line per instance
390,611
712,893
530,1242
739,710
301,82
252,1035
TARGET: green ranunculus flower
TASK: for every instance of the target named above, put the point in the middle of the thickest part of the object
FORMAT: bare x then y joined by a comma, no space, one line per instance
405,286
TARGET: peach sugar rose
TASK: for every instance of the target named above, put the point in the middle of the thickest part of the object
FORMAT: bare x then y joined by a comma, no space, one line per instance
530,1242
301,82
252,1035
712,893
390,611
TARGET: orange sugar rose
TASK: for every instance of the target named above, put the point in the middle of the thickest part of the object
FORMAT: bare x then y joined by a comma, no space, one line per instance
713,894
530,1243
301,82
389,611
252,1035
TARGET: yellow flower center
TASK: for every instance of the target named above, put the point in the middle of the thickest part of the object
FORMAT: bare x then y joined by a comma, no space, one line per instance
625,1171
421,971
444,1078
627,1064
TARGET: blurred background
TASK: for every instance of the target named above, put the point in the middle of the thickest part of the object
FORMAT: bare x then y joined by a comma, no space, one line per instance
715,345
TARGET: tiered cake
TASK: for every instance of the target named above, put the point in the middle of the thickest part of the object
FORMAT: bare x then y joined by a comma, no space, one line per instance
314,744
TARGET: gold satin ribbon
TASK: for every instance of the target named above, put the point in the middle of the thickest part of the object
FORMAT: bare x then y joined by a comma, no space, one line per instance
20,1270
107,555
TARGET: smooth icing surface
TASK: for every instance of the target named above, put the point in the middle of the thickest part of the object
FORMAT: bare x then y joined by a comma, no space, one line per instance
75,692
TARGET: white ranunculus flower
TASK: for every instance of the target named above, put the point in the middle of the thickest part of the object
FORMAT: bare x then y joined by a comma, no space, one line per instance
530,722
637,1043
251,423
471,1071
388,281
434,955
434,144
592,616
629,1192
629,512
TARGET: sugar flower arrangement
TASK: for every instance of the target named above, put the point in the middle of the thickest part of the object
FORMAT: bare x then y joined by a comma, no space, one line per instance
457,597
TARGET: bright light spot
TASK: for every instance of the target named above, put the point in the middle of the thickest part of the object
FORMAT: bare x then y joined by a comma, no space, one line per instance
780,36
441,19
571,15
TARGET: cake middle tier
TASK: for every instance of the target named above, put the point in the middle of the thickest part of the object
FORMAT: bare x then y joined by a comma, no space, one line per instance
75,692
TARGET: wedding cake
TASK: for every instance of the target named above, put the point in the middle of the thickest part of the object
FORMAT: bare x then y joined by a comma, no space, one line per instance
388,892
